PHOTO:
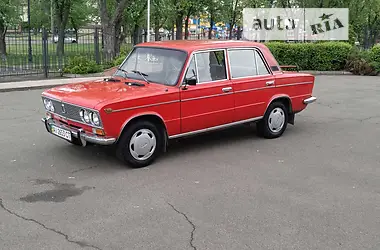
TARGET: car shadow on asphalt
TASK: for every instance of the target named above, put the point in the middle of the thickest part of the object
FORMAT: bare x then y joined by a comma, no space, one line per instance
237,134
94,156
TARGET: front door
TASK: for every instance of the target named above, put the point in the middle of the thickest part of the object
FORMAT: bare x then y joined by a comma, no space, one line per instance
210,102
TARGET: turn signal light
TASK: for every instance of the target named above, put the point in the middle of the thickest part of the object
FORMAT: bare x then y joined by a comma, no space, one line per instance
98,131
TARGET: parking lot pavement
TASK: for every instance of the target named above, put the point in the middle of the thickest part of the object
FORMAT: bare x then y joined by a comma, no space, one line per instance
317,187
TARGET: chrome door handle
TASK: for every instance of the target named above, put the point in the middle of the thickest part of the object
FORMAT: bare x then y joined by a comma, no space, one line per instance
227,89
269,83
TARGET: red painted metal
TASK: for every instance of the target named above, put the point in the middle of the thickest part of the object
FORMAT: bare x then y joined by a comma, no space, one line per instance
194,108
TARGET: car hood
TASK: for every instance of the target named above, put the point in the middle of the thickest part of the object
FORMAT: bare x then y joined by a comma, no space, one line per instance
90,94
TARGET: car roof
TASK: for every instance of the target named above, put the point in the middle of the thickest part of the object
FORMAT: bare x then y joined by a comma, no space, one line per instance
193,45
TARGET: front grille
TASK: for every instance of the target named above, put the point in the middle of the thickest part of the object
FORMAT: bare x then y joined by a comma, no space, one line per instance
68,111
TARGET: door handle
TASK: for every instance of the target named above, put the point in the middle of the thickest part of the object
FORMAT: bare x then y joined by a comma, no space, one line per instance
269,83
227,89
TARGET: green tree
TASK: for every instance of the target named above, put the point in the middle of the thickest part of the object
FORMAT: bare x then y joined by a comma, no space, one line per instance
9,16
82,13
62,10
111,14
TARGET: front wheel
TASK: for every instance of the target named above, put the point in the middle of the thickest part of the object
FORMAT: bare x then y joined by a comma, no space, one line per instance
274,122
140,144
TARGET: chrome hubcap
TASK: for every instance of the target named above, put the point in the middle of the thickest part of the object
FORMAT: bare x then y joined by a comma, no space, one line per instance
142,144
276,120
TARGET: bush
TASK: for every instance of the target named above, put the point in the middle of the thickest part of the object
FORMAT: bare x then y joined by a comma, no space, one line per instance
375,53
82,65
363,62
322,56
124,51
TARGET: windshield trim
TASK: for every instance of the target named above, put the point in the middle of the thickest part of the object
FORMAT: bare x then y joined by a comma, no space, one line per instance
160,47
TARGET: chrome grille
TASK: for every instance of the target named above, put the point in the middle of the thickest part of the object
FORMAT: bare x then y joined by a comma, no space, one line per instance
69,111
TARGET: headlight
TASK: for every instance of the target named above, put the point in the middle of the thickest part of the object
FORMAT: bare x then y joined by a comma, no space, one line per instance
86,116
48,105
89,117
95,119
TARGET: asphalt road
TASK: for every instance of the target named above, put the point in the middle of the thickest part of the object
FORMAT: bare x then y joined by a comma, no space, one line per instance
317,187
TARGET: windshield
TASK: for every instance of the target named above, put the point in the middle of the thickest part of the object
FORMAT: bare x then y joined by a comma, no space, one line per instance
157,65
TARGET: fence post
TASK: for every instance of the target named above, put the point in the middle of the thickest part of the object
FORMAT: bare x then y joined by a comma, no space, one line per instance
45,52
96,44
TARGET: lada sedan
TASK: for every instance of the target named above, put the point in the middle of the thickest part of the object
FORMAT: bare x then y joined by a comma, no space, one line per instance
171,89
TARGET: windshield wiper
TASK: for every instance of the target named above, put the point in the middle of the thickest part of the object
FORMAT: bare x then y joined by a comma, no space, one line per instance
124,71
142,74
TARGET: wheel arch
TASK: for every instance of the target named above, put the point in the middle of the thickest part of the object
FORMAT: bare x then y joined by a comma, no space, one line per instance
149,116
285,99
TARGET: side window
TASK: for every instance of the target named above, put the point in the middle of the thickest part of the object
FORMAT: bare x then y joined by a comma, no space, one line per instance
261,65
211,66
191,70
242,63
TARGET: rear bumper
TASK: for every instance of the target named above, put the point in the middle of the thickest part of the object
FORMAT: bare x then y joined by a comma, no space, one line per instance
310,100
80,134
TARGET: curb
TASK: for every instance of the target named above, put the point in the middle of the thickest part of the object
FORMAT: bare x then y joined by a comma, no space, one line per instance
41,84
326,72
26,88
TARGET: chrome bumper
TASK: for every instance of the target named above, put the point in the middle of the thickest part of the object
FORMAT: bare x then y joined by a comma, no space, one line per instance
80,134
310,100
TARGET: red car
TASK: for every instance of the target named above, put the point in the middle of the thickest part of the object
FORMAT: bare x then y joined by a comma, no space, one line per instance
171,89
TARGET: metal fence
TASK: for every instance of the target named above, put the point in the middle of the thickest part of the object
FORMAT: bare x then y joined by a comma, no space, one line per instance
39,57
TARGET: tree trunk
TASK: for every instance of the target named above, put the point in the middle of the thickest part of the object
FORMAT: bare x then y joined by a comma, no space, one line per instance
3,46
109,41
111,26
211,25
187,27
62,12
156,28
61,41
178,24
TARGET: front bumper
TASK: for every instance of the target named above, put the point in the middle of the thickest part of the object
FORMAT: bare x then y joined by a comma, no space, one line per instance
310,100
80,134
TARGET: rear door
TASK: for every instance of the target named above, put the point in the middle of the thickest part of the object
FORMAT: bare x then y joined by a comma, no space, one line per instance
210,102
252,81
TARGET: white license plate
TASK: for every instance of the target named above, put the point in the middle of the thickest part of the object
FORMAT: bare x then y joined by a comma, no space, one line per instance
63,133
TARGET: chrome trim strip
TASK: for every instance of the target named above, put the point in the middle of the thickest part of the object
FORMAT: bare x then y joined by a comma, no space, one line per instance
80,122
250,77
293,84
90,109
247,105
81,135
208,96
214,128
144,106
196,67
254,89
310,100
78,106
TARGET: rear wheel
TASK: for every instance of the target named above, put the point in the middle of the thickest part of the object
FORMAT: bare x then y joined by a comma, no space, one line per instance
274,122
140,144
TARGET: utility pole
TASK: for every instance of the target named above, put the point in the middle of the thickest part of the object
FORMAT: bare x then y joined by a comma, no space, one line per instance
52,20
29,36
148,23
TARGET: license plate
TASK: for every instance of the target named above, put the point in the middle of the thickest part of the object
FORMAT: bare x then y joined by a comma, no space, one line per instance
63,133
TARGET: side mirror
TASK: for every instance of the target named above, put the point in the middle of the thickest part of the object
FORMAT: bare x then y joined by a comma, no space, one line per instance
191,81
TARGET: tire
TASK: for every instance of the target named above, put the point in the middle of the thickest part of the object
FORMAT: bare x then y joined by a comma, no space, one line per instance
274,122
141,132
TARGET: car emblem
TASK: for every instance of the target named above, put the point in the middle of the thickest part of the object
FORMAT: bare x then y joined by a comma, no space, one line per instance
63,108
